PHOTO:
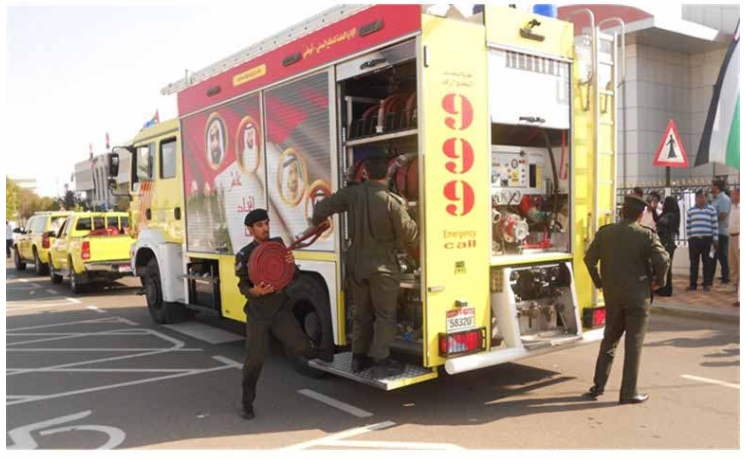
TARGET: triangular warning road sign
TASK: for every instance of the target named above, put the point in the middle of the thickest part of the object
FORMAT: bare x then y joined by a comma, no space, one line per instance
671,151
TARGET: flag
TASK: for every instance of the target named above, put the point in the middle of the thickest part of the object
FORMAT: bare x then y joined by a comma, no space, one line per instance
90,151
153,121
721,138
107,141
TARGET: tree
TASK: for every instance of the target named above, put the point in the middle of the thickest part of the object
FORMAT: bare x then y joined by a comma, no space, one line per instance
12,191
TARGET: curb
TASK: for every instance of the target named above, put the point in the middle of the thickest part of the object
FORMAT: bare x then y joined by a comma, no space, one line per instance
686,311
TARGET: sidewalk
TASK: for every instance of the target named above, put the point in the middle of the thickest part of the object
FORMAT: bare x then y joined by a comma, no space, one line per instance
717,304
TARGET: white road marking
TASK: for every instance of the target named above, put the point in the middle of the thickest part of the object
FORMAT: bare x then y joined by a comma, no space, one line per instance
12,307
341,435
228,361
78,350
712,381
73,370
118,385
51,291
32,292
205,333
111,320
396,445
23,440
95,309
352,410
73,300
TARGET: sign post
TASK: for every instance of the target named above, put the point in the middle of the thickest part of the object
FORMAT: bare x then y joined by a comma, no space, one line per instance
671,152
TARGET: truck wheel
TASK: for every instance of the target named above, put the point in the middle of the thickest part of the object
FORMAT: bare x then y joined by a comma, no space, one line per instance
56,279
151,285
39,267
310,305
76,283
20,265
161,312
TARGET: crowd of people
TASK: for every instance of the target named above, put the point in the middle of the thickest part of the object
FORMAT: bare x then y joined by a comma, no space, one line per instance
712,232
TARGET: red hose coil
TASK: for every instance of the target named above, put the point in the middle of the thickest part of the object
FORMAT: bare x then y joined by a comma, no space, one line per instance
267,265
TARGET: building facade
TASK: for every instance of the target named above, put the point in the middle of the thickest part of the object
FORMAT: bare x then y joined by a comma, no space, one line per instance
672,64
91,181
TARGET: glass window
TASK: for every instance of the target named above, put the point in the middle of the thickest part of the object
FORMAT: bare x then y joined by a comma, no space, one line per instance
30,224
61,230
144,158
56,223
125,221
84,224
98,223
112,221
168,158
40,224
68,225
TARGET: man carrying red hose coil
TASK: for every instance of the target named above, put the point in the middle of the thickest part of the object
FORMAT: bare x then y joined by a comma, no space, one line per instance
266,312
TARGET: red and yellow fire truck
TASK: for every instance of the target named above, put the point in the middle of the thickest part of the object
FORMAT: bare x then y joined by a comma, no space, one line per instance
500,130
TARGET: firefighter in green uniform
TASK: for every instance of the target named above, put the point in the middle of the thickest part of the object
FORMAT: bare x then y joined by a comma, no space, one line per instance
267,313
379,223
633,263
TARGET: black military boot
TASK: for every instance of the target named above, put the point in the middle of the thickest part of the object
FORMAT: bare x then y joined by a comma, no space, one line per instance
247,413
387,368
361,362
639,399
594,392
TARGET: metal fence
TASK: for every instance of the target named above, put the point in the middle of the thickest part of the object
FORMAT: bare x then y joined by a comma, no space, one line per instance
684,194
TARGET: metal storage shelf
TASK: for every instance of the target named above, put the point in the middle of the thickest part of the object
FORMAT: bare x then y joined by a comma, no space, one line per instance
382,137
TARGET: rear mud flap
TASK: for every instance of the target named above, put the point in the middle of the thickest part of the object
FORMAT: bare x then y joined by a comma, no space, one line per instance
341,367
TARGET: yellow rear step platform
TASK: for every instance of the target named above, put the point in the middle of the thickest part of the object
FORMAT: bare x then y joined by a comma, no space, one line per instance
341,367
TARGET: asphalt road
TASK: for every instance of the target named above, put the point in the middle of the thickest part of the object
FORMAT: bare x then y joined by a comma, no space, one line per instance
93,371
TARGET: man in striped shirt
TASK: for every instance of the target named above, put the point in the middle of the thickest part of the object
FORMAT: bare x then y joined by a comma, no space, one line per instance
702,230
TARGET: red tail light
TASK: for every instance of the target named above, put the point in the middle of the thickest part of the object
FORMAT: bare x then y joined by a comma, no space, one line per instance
86,250
594,317
462,343
45,240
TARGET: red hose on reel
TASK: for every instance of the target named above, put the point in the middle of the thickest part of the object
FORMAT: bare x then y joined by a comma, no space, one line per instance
267,263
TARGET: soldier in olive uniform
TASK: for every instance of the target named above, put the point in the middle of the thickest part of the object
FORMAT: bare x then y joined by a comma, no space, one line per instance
379,224
633,262
266,312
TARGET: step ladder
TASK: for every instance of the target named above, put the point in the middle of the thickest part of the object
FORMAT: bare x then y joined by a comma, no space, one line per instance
342,367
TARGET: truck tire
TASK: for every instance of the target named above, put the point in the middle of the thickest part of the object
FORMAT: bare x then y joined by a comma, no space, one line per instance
309,302
76,283
151,286
39,267
56,279
19,264
161,312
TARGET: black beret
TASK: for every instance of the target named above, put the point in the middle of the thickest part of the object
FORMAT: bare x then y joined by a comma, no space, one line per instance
635,201
255,216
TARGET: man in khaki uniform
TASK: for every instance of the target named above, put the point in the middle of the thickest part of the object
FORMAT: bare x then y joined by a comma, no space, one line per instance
379,223
630,257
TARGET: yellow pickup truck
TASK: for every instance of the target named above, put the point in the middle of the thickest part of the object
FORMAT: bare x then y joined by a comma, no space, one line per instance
89,247
35,238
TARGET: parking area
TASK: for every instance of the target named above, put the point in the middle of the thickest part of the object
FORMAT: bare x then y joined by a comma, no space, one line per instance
92,371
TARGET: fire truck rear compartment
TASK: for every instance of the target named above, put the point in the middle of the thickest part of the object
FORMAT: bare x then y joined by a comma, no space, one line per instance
378,118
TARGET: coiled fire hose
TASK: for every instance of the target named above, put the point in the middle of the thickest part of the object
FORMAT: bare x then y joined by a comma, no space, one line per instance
267,263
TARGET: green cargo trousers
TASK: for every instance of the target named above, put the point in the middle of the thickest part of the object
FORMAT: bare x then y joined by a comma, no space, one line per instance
375,302
286,329
633,323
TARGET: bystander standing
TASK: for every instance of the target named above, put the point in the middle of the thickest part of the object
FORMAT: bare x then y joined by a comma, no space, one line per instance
721,202
702,230
734,250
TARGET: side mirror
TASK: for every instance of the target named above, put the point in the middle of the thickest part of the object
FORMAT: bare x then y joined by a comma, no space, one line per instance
112,162
18,230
